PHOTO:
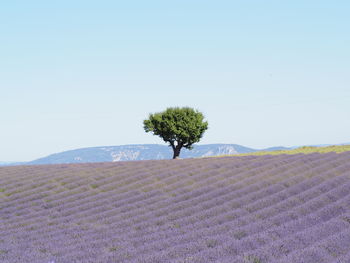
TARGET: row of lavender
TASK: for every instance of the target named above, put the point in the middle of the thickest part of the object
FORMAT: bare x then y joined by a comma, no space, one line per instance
236,209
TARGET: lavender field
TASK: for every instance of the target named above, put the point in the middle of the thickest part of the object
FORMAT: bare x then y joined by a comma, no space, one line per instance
253,209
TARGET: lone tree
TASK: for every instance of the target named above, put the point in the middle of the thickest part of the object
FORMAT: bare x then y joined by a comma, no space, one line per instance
180,127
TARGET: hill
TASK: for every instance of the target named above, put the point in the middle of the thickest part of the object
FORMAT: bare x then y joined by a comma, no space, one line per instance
138,152
251,209
304,150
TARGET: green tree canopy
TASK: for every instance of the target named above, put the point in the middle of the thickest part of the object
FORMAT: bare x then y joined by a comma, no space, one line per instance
180,127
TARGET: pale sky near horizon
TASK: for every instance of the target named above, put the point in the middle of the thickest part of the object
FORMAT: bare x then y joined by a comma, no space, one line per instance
77,74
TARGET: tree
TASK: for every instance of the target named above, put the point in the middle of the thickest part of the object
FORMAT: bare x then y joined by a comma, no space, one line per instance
180,127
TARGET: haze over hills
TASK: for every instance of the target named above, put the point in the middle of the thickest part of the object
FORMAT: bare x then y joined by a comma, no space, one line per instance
139,152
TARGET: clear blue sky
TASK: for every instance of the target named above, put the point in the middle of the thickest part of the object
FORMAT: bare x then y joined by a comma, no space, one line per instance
86,73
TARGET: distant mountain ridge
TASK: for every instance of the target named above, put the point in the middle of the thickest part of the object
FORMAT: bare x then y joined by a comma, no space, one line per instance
138,152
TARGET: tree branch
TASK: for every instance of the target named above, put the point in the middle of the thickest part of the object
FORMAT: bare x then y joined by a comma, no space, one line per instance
172,144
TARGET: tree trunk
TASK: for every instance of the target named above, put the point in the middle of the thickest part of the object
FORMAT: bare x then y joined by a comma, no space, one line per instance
177,150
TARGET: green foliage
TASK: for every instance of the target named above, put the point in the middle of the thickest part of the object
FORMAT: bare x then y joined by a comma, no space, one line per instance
180,127
113,249
94,186
252,259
